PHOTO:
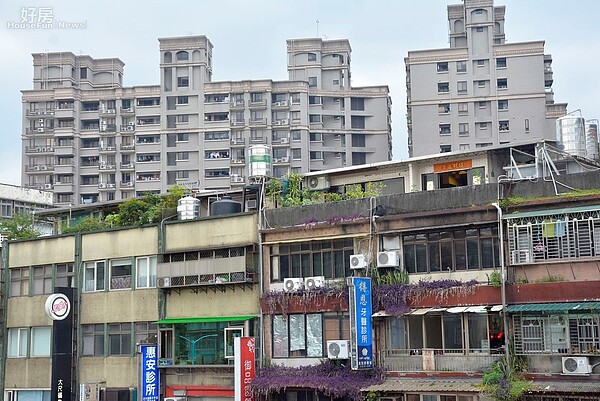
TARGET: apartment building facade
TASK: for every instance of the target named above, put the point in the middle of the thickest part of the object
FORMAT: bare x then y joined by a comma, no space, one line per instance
88,139
481,91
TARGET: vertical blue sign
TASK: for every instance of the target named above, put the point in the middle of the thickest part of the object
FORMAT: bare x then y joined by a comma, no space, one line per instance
150,385
361,288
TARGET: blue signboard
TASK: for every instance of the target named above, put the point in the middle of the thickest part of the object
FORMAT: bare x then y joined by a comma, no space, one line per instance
361,289
149,380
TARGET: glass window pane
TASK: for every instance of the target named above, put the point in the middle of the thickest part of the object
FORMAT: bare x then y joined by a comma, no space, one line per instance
478,336
40,341
297,339
280,337
453,331
314,335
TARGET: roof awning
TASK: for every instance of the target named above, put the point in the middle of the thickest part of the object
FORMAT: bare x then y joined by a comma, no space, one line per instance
208,319
555,307
552,212
454,309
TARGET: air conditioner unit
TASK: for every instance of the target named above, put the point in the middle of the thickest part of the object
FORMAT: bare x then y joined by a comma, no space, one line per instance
358,261
285,140
163,282
36,168
388,259
338,349
129,128
310,283
101,185
293,284
48,186
40,130
285,159
44,167
277,104
285,121
41,121
576,365
277,122
251,204
317,183
520,257
131,123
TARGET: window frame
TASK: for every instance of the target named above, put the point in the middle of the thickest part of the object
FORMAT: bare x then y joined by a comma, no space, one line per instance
99,282
283,329
18,344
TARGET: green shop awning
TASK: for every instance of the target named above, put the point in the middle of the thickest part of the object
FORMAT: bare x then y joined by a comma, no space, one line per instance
209,319
572,307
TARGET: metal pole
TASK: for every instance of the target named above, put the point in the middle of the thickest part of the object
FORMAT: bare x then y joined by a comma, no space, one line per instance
503,283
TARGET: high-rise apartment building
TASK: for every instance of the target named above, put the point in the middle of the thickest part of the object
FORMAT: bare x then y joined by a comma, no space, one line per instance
481,91
88,138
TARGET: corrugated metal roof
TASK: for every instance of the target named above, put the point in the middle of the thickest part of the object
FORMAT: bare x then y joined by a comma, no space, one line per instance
422,384
552,212
555,307
556,386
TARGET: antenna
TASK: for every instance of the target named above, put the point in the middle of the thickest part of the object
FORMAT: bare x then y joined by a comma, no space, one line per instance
317,28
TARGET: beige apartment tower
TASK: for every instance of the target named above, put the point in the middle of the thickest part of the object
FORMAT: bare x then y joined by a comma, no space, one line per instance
481,91
88,139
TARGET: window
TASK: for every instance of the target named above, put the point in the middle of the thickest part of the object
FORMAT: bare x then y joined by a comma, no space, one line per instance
19,282
182,56
316,155
295,98
40,341
503,125
64,275
445,148
464,146
312,57
182,100
358,140
216,173
336,82
357,103
120,274
483,145
502,104
314,118
461,86
463,108
94,276
445,129
482,105
461,66
357,122
18,342
480,63
502,83
182,118
483,125
501,62
463,129
314,100
119,339
481,84
298,335
93,339
451,250
443,108
319,258
182,174
145,332
183,82
297,154
216,135
296,135
443,87
442,67
83,73
312,82
479,29
42,280
183,137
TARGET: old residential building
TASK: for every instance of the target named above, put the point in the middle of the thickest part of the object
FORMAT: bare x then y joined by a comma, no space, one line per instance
87,138
481,91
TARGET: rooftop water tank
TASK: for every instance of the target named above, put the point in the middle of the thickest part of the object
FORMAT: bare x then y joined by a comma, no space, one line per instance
225,205
591,139
260,161
188,208
570,135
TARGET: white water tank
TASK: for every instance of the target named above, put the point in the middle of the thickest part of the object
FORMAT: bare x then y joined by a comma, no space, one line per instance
591,139
260,161
188,208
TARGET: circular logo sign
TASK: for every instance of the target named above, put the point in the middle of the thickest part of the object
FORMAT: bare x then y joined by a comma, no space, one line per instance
57,306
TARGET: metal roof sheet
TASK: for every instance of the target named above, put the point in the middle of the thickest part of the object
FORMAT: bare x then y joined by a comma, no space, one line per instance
552,212
427,385
555,307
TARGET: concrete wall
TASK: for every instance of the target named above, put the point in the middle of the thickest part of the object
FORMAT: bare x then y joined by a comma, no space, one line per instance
116,371
27,312
27,373
187,303
36,252
119,306
120,243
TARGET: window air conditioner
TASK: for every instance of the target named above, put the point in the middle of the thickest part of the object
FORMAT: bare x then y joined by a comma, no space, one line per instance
163,282
576,365
310,283
317,183
338,349
293,284
520,257
388,259
358,261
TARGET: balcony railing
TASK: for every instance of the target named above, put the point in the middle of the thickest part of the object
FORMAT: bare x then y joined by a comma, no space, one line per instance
437,360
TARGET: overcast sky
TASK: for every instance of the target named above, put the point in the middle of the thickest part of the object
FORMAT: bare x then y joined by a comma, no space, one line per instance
249,38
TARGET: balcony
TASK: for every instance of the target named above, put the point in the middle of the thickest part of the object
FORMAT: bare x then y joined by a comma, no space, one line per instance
107,166
126,166
258,121
258,104
239,160
127,110
237,123
38,113
236,104
436,360
126,184
107,185
128,127
127,147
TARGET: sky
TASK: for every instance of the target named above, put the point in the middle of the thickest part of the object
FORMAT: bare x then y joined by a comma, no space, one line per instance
249,38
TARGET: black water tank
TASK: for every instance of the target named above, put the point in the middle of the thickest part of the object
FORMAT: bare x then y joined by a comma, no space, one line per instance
225,206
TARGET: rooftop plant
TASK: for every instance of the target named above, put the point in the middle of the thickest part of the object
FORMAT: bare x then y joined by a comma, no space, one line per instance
330,379
280,300
506,383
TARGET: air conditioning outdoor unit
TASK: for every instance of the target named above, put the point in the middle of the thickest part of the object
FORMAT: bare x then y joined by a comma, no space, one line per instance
317,183
163,282
310,283
576,365
48,186
131,123
277,104
130,128
358,261
36,168
388,259
338,349
285,140
251,204
293,284
285,159
520,257
40,130
285,121
43,167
